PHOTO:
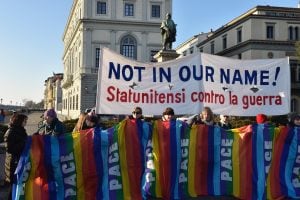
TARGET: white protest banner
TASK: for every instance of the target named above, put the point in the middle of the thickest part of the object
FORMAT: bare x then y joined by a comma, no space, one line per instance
229,86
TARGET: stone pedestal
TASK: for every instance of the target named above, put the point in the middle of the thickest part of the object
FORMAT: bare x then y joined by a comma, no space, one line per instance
165,55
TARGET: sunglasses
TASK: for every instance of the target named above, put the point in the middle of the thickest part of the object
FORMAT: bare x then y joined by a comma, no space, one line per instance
136,112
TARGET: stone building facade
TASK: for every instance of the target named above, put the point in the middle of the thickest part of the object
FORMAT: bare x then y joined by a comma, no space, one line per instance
53,92
263,32
129,27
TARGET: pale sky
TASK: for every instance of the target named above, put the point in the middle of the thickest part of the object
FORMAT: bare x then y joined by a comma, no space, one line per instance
31,33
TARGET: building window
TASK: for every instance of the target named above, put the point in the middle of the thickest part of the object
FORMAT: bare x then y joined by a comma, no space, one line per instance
184,53
294,105
191,50
224,41
296,33
129,47
101,8
298,73
70,103
74,102
290,33
201,49
240,56
152,53
239,35
270,31
97,61
155,11
128,9
77,102
212,47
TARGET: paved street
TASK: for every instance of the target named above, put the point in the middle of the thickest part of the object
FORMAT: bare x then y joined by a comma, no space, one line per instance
32,124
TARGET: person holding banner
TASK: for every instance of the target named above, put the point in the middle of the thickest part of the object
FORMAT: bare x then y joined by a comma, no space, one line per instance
91,120
207,116
52,124
224,122
294,120
137,113
168,114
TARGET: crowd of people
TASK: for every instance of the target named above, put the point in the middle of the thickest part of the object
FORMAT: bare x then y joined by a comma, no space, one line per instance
16,135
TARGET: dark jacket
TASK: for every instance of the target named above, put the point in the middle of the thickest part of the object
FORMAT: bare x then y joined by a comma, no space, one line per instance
55,128
225,126
15,140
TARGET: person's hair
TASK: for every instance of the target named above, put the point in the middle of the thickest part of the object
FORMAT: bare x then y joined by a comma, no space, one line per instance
138,108
209,113
80,123
169,111
17,119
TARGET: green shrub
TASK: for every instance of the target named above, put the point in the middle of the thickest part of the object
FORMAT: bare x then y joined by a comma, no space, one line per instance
70,124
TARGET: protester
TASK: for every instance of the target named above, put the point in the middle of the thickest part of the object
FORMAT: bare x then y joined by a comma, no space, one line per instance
294,120
91,120
207,116
52,124
261,118
80,124
137,113
15,140
168,114
224,122
2,116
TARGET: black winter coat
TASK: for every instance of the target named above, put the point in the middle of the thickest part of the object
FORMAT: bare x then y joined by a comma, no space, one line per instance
15,140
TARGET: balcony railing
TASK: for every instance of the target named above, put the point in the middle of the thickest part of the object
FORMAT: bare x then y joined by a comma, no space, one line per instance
67,81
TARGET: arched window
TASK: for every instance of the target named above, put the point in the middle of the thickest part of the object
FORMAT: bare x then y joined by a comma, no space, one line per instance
296,33
128,47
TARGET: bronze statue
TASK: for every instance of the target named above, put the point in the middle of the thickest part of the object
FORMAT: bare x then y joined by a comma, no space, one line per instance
168,32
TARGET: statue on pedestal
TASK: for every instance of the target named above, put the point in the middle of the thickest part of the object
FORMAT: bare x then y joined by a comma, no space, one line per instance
168,32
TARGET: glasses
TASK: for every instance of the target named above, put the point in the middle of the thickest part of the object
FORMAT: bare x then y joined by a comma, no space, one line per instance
136,112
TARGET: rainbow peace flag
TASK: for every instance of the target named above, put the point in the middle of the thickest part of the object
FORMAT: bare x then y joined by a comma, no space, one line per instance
207,160
93,164
284,176
169,160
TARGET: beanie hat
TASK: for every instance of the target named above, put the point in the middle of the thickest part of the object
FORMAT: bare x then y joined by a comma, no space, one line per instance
261,118
50,113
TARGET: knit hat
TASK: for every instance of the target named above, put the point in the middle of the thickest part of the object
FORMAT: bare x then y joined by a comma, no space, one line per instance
50,113
261,118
